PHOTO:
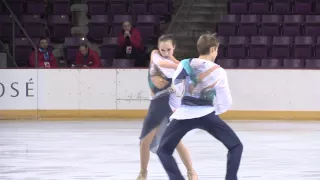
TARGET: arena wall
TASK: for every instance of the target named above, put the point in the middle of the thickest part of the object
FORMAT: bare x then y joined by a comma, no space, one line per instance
124,93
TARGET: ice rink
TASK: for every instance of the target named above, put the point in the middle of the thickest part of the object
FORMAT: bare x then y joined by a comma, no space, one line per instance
109,150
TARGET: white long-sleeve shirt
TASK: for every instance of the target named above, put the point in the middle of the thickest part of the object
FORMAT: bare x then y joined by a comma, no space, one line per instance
222,101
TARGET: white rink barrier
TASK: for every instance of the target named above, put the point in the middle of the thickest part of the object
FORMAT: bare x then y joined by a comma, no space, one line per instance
124,93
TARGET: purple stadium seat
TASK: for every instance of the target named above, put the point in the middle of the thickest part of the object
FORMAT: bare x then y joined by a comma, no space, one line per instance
249,25
159,8
302,6
258,47
147,25
303,47
60,26
119,19
35,7
157,1
117,1
237,47
117,7
238,7
1,8
259,7
228,63
117,23
6,28
292,25
110,41
317,48
106,62
280,47
171,7
270,25
227,25
123,63
312,26
23,50
147,19
294,63
249,63
281,6
73,41
109,48
98,27
272,63
22,41
138,7
115,30
313,63
317,7
60,7
17,6
33,24
223,41
96,7
71,54
72,48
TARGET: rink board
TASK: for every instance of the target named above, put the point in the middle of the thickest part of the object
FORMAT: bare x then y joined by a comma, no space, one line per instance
140,114
124,93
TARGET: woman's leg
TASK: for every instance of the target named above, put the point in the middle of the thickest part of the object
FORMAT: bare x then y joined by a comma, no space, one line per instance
186,159
145,154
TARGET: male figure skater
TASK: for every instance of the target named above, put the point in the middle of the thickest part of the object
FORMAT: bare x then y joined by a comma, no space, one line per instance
205,93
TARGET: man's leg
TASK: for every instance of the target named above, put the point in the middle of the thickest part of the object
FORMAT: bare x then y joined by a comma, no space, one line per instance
220,130
171,137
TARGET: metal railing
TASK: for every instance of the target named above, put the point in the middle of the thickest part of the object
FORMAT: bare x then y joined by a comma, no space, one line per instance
14,22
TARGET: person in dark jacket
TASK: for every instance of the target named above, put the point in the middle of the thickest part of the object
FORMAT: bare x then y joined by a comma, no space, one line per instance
87,57
45,57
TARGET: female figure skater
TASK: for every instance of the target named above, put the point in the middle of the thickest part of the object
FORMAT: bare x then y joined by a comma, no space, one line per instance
162,67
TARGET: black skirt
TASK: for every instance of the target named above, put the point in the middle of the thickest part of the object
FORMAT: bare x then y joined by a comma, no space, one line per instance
158,116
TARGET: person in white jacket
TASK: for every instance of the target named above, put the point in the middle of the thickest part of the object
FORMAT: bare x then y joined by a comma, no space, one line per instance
203,86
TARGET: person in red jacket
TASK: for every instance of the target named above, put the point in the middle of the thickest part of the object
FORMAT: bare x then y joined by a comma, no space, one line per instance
129,43
45,58
87,58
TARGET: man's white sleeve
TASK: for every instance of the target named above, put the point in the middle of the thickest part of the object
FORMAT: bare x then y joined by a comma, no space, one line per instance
223,100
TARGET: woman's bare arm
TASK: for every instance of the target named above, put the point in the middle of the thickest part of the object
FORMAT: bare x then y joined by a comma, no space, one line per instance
163,63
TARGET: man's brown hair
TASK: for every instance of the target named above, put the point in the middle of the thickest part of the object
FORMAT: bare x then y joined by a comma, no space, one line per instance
205,42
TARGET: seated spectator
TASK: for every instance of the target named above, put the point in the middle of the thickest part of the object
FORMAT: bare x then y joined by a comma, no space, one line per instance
129,44
87,57
45,57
